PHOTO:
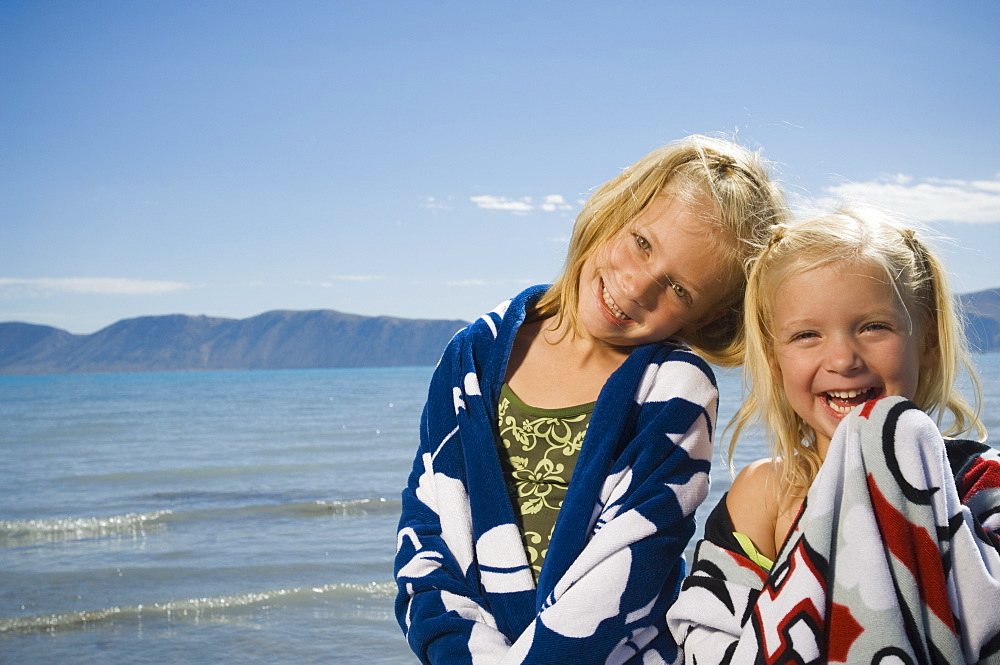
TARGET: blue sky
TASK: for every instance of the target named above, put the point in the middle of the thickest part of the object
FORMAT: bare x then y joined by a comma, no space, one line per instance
427,159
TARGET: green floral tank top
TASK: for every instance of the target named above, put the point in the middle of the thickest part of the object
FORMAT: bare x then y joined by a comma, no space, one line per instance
538,451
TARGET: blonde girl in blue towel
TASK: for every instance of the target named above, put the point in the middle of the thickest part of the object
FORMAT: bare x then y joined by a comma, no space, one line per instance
566,439
866,537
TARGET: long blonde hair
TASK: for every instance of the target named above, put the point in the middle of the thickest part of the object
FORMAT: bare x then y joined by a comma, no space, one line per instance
865,238
745,203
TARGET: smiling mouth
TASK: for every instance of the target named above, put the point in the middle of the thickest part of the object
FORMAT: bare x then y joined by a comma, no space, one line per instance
842,401
610,303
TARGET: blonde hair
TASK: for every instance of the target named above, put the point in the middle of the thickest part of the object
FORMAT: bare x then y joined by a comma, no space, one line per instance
744,200
864,238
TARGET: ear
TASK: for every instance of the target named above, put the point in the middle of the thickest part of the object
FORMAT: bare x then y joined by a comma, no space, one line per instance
930,355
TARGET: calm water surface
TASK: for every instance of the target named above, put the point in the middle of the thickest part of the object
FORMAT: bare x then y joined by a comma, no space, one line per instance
223,517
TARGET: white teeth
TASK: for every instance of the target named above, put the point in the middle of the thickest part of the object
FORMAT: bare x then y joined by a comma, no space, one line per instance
831,395
844,394
612,306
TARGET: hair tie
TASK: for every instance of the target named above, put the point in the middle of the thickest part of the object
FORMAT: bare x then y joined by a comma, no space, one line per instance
910,238
918,250
727,167
776,233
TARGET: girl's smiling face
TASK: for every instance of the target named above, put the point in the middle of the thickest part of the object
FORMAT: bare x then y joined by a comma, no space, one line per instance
841,338
660,276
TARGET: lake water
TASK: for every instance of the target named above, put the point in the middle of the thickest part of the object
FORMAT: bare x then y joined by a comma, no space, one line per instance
221,517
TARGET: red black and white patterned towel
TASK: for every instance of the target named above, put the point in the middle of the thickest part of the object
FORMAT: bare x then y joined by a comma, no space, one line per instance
894,558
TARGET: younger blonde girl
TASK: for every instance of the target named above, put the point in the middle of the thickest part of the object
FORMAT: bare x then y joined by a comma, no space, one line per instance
857,240
866,535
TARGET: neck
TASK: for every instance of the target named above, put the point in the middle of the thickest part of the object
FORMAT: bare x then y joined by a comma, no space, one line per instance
551,366
578,344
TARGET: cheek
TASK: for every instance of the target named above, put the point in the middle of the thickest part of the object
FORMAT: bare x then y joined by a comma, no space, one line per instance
911,376
789,386
669,319
793,375
593,263
899,367
780,365
612,252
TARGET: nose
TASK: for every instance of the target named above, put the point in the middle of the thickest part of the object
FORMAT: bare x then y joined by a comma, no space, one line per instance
642,287
842,356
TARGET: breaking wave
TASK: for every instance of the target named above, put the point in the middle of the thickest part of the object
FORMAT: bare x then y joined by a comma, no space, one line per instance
22,533
197,609
18,533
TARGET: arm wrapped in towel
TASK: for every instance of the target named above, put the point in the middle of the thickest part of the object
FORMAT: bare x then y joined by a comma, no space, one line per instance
894,554
466,594
710,613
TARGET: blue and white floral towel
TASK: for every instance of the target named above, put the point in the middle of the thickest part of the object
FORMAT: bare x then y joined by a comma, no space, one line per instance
614,564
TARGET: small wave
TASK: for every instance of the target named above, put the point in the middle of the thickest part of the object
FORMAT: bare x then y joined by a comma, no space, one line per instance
180,497
198,608
341,508
18,533
359,507
23,533
187,474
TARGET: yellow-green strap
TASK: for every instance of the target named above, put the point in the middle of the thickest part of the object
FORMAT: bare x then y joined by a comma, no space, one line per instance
751,551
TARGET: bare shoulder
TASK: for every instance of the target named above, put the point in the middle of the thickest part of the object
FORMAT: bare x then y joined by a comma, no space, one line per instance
753,506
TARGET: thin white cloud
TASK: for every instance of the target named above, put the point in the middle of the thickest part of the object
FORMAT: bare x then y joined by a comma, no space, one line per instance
523,205
356,278
334,280
516,206
554,202
930,200
19,287
492,282
432,204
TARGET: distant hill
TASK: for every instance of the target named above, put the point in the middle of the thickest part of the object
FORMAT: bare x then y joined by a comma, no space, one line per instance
289,340
982,313
273,340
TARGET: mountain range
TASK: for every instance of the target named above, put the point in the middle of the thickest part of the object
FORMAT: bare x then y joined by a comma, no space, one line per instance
273,340
288,340
982,320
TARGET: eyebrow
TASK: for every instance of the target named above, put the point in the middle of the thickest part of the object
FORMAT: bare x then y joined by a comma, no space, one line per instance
796,324
809,322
